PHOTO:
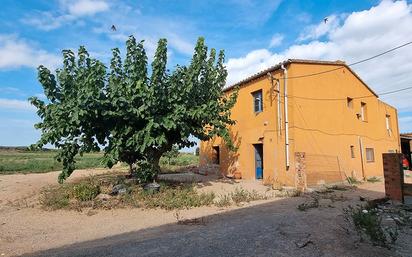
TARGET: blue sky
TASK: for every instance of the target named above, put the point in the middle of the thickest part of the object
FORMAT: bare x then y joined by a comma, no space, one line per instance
254,34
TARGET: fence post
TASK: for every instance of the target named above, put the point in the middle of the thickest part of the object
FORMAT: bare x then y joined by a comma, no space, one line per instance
393,174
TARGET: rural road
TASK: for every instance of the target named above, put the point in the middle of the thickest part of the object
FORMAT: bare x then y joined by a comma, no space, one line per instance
270,229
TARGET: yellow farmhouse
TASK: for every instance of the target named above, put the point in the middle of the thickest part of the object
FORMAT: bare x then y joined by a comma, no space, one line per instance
303,123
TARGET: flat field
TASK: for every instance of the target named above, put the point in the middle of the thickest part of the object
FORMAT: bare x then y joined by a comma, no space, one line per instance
22,161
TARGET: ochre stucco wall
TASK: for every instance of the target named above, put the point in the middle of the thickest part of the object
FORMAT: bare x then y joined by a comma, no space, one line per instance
320,124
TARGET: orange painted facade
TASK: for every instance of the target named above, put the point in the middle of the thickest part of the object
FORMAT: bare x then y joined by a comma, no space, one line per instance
335,119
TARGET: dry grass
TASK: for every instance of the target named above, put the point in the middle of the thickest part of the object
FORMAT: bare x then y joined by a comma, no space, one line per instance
172,196
82,194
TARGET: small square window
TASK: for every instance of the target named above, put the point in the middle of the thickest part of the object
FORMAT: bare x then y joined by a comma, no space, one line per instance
370,155
388,124
352,151
364,112
349,102
257,101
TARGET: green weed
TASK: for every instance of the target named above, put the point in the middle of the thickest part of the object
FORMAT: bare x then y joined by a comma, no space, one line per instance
86,191
175,197
353,181
241,195
224,201
368,223
373,179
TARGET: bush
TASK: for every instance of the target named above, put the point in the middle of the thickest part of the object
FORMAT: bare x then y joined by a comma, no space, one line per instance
86,191
145,172
55,198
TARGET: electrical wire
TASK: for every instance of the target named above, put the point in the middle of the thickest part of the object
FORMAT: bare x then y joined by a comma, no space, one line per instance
351,64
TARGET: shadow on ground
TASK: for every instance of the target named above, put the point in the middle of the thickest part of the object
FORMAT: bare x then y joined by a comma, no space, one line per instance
270,229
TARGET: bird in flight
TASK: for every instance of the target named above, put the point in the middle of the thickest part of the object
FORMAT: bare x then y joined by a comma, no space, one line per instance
113,28
325,19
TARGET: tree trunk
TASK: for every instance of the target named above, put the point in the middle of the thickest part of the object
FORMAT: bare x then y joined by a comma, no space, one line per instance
131,168
154,161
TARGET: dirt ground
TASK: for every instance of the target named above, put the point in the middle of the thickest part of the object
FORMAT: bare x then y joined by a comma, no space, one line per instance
26,228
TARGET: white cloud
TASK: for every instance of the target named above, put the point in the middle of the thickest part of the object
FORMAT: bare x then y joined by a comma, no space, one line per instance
321,29
14,104
356,36
304,17
180,44
41,96
86,7
15,53
131,21
276,40
47,21
69,12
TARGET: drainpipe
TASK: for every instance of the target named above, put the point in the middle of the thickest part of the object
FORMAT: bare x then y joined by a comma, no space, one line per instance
278,109
361,156
285,79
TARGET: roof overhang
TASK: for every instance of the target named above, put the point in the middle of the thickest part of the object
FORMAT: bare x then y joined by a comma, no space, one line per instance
290,61
407,136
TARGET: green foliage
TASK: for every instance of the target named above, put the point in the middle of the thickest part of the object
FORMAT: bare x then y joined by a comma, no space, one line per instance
86,191
172,153
134,115
183,159
145,171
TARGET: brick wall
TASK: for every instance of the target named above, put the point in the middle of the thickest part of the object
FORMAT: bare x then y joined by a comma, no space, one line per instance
322,169
300,166
393,173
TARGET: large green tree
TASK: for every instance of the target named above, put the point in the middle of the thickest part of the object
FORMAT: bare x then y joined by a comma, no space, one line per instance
134,115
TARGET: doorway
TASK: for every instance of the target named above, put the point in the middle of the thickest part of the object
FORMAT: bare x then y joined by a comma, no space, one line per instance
258,161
